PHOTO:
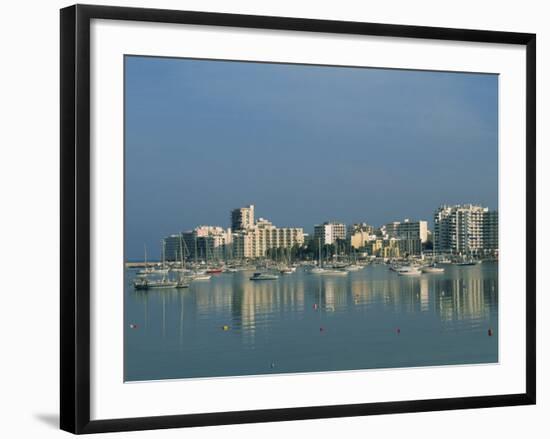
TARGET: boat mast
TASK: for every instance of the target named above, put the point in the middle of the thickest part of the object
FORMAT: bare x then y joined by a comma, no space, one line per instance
196,249
182,255
145,248
163,250
320,258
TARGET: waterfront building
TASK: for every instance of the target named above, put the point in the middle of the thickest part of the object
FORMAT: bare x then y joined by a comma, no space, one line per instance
490,232
407,229
412,235
252,239
242,218
172,245
384,247
329,232
202,243
360,234
466,230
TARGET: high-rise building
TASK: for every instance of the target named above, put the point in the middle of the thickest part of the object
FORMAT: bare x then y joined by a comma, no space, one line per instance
172,246
490,232
252,239
465,230
242,218
329,232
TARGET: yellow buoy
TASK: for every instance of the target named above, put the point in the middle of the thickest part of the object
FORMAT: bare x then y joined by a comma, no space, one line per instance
225,327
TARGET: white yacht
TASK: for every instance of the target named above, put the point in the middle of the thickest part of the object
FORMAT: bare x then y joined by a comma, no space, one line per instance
407,270
263,276
432,269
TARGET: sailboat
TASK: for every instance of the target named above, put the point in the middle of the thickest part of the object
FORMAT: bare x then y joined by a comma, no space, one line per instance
288,268
182,281
327,271
142,282
431,269
146,270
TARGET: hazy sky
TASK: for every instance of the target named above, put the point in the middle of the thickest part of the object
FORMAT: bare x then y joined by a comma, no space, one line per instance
305,144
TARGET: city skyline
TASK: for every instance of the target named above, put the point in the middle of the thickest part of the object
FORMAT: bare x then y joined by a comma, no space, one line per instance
460,229
305,144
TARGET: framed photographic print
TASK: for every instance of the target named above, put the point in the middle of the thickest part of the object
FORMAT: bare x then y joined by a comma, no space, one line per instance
268,218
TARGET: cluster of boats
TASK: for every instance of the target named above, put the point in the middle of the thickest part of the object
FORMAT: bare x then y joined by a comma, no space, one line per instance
433,268
416,270
178,276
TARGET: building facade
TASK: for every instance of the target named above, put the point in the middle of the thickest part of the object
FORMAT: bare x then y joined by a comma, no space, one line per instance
411,234
329,232
242,218
203,243
360,234
465,230
252,239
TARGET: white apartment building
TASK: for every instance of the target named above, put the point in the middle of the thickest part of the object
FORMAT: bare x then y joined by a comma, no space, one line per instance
242,218
407,229
253,241
465,230
329,232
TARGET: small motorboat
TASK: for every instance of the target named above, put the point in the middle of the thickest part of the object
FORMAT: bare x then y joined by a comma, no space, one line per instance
264,276
431,269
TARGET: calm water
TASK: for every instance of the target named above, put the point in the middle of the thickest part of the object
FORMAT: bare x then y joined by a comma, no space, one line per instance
304,322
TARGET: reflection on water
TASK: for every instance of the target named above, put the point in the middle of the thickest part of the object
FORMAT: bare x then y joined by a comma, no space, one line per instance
303,322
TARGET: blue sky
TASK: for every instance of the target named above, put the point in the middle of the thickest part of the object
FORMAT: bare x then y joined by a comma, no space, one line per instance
305,144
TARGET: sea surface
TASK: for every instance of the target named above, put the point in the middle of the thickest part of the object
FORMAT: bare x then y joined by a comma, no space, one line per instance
303,322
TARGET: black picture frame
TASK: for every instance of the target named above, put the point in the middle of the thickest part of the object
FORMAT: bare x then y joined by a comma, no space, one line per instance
75,217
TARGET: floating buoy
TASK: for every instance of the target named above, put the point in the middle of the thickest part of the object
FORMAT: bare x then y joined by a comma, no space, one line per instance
321,329
398,331
490,332
225,327
315,306
272,365
133,326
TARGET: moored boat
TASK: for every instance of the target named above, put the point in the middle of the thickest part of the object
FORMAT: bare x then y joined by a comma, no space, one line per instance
354,267
216,270
411,272
432,269
263,276
287,270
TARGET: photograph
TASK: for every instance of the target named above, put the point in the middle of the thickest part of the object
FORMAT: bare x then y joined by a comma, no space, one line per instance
295,218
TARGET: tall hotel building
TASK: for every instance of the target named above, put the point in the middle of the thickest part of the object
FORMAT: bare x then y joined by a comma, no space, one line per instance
242,218
252,239
329,232
466,230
